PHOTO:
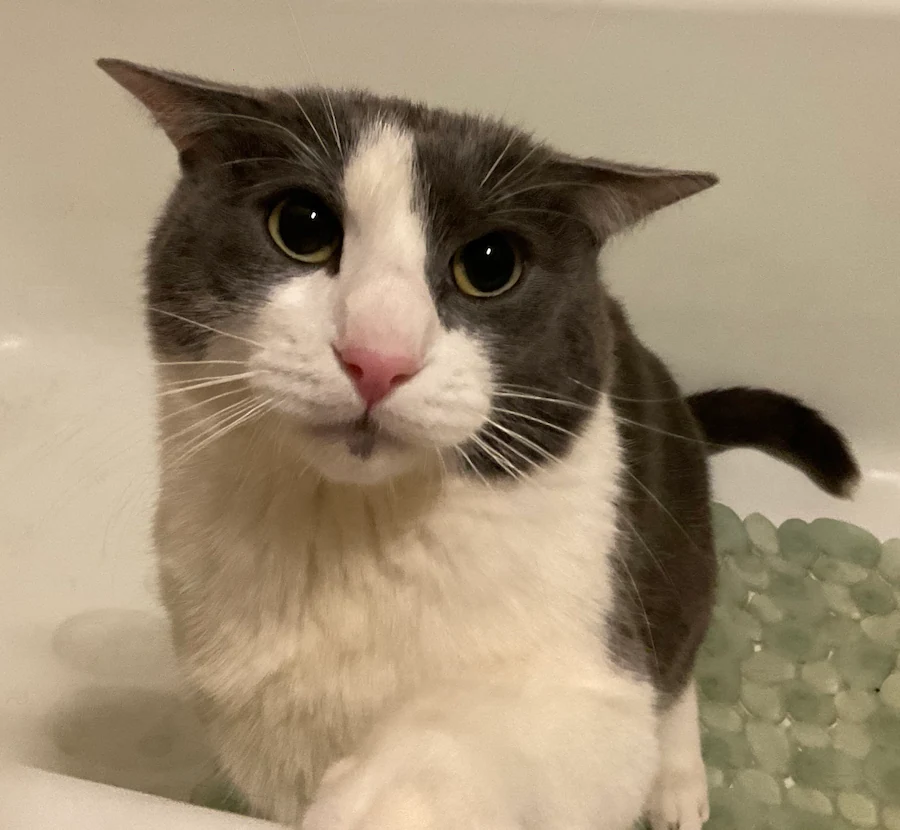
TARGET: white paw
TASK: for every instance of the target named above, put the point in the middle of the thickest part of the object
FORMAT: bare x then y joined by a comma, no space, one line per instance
680,799
424,783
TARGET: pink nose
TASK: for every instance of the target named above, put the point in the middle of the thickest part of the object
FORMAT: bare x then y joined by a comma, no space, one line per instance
374,374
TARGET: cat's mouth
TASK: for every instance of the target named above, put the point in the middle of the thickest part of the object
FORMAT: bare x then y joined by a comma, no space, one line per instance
361,436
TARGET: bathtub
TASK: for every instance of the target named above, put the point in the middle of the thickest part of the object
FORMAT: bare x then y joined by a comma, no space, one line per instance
785,275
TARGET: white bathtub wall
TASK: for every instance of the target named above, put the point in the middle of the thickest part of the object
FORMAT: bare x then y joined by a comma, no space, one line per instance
788,274
842,7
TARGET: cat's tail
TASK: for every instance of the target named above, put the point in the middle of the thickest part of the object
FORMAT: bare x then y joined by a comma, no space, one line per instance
781,426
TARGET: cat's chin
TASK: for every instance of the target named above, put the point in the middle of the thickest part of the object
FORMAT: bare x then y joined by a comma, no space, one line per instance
363,451
338,463
347,455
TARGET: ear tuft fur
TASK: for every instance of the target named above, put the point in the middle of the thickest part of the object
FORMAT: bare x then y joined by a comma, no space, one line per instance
616,196
182,105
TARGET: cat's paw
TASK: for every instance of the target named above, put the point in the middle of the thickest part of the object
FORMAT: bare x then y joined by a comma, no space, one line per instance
426,783
680,799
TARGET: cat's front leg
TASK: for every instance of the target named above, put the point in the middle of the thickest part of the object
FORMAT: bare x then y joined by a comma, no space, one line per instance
554,758
680,797
417,780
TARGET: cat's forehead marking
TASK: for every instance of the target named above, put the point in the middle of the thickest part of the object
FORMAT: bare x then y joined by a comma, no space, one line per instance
384,299
379,190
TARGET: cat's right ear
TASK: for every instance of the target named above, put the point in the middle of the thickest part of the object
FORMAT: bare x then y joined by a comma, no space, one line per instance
185,107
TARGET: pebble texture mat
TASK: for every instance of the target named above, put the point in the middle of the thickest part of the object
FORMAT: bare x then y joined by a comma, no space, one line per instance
799,679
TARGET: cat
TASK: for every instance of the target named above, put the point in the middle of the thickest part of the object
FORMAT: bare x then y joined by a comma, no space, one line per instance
433,525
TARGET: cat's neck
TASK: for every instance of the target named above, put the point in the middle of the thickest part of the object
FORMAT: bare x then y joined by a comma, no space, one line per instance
257,472
254,477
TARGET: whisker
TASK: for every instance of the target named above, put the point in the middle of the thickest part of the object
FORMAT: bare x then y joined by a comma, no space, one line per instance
537,390
661,506
497,161
197,362
445,473
624,399
295,139
188,445
619,418
537,421
541,186
257,159
631,475
549,456
640,600
507,446
217,415
497,457
205,326
234,422
689,438
515,167
174,384
197,404
471,464
309,121
560,401
205,384
337,134
527,442
654,558
334,124
220,420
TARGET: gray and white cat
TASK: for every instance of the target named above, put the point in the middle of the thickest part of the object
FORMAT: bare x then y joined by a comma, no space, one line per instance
433,526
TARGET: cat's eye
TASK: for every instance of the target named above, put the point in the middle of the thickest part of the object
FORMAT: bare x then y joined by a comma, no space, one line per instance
304,228
487,266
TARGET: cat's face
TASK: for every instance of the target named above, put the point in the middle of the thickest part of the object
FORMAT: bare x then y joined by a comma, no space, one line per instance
393,283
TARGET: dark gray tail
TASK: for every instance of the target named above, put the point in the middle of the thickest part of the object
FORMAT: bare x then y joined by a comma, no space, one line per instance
781,426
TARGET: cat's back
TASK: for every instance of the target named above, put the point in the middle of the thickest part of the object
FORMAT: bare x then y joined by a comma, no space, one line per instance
666,547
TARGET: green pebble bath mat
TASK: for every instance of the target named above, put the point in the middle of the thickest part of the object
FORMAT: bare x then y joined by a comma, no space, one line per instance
799,679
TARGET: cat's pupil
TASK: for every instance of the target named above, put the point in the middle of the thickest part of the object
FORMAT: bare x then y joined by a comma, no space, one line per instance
490,262
306,225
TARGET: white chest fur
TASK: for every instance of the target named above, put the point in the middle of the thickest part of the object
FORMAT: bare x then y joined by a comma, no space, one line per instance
302,611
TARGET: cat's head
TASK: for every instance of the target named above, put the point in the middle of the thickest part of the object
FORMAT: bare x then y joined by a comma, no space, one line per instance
392,282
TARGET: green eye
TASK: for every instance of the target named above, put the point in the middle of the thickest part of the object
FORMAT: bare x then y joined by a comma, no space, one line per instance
304,228
487,266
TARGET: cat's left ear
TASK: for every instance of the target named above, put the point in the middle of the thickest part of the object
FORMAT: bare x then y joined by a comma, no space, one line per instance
616,196
187,108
